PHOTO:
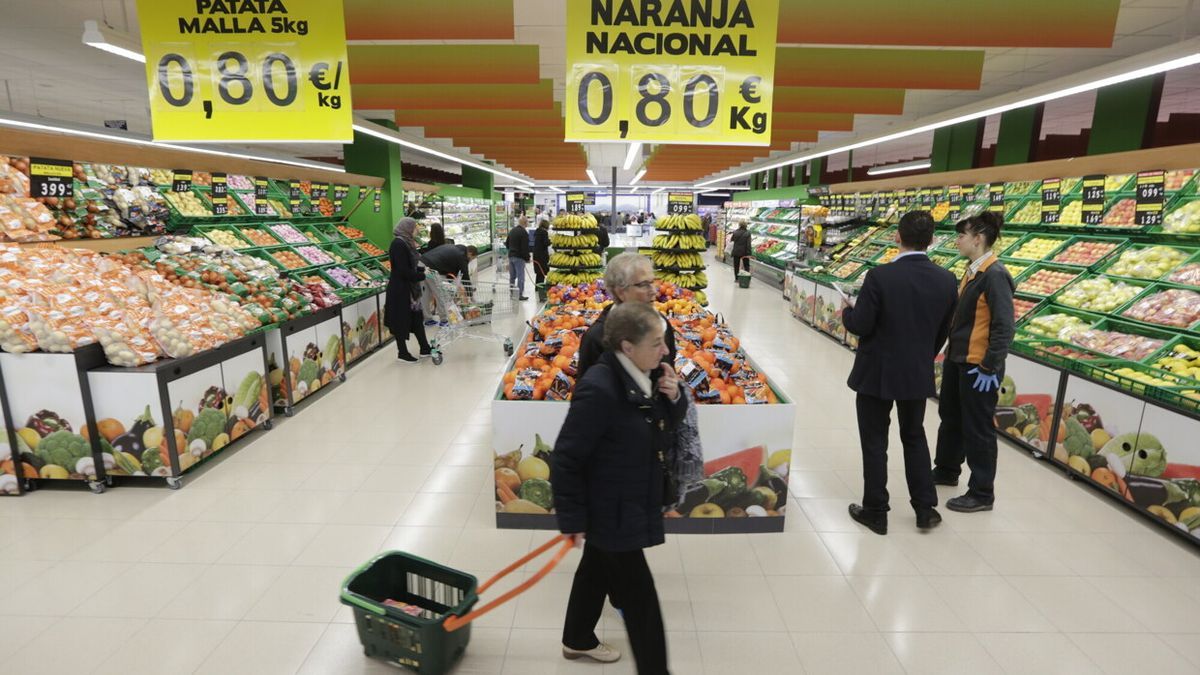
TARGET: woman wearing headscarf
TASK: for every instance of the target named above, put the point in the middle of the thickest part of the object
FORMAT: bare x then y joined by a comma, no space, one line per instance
402,312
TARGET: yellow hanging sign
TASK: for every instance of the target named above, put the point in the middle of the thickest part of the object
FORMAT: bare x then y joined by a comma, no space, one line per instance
675,71
247,70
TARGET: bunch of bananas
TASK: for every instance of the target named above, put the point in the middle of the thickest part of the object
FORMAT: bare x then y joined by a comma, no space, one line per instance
691,242
556,277
689,281
576,260
702,298
574,240
665,259
689,222
574,222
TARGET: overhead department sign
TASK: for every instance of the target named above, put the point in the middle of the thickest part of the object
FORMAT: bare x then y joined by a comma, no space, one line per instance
671,71
247,70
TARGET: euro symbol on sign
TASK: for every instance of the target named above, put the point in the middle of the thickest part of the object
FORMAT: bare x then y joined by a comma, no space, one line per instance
317,76
750,89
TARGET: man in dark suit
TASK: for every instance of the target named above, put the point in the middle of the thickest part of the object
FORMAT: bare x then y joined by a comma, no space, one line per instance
902,316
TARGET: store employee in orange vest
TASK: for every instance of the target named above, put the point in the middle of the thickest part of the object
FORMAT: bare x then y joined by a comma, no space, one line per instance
979,340
903,318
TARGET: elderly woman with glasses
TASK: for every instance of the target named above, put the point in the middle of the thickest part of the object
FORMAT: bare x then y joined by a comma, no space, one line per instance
610,483
629,278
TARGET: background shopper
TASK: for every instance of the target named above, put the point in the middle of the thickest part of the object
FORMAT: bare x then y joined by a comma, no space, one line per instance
451,260
541,250
608,476
437,237
518,255
402,309
741,249
980,336
903,316
629,277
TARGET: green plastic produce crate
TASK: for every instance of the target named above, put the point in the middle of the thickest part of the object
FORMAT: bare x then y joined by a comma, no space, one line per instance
1149,292
1171,350
1022,188
1123,349
1118,244
1011,251
1074,293
1124,264
1106,371
1051,352
1026,208
1023,280
418,641
1035,324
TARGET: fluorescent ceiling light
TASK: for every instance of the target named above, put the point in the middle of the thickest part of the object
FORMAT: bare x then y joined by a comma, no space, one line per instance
1191,56
897,168
715,194
146,142
635,189
556,189
390,136
103,37
658,190
637,177
593,177
634,149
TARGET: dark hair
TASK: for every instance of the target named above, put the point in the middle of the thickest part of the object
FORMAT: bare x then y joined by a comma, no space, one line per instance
630,322
987,223
437,235
916,230
472,251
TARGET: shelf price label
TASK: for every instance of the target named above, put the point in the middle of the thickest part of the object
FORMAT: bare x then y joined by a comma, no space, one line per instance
51,178
679,72
220,194
1151,194
260,195
339,194
576,203
996,197
681,203
294,194
181,180
1093,199
1051,200
378,201
246,70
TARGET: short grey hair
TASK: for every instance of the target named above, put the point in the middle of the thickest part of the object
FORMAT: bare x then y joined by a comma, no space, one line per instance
622,268
630,322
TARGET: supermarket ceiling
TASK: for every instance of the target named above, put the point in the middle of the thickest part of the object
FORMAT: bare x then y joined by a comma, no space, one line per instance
488,75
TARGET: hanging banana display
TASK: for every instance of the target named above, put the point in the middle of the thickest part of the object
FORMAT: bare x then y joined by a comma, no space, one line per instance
574,260
690,222
677,254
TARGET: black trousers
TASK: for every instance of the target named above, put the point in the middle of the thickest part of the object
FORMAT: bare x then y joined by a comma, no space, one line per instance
740,263
625,576
874,419
968,430
540,265
417,328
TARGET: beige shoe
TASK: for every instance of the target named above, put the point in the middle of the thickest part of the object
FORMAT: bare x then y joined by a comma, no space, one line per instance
602,653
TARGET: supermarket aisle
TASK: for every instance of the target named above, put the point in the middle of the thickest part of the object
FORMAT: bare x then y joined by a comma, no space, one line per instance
238,572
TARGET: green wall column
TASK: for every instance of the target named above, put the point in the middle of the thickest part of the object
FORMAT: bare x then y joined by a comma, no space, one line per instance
772,179
1020,131
371,156
815,168
1125,115
956,147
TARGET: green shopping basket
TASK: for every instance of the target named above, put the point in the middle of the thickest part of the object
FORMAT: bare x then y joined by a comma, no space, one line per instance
426,627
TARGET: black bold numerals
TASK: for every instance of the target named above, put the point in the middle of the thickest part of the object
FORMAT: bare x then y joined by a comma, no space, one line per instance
648,97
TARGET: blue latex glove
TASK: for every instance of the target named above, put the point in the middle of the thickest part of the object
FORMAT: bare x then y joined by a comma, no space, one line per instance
984,382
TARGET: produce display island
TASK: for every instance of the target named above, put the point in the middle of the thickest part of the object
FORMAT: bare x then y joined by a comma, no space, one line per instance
745,421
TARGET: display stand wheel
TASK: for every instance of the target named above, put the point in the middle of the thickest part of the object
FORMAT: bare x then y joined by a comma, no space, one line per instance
289,411
97,486
174,482
508,347
342,377
29,485
437,358
269,424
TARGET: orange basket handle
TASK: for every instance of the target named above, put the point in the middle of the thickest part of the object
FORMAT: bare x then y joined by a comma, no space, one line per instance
453,623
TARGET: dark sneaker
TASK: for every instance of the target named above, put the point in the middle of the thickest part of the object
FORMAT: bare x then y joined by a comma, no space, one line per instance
942,479
876,521
524,298
407,358
928,518
968,504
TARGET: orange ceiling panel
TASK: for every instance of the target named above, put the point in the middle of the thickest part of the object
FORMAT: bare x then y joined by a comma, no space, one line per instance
553,133
541,118
429,19
822,121
839,100
878,68
942,23
443,64
538,96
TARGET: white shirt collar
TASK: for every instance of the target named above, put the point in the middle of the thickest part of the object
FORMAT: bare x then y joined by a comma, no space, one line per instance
639,376
906,254
979,262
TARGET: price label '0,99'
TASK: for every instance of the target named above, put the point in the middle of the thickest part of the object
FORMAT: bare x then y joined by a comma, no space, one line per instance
634,71
262,71
1151,194
681,203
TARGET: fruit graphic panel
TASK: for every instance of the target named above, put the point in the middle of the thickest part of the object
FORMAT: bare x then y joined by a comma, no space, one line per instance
802,299
331,356
385,333
129,417
1025,409
47,407
1095,420
247,384
1162,469
201,408
827,312
280,385
747,454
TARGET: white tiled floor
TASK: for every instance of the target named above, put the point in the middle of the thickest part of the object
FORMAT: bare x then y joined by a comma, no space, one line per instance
239,571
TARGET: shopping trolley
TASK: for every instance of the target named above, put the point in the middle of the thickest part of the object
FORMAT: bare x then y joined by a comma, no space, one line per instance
463,304
415,613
